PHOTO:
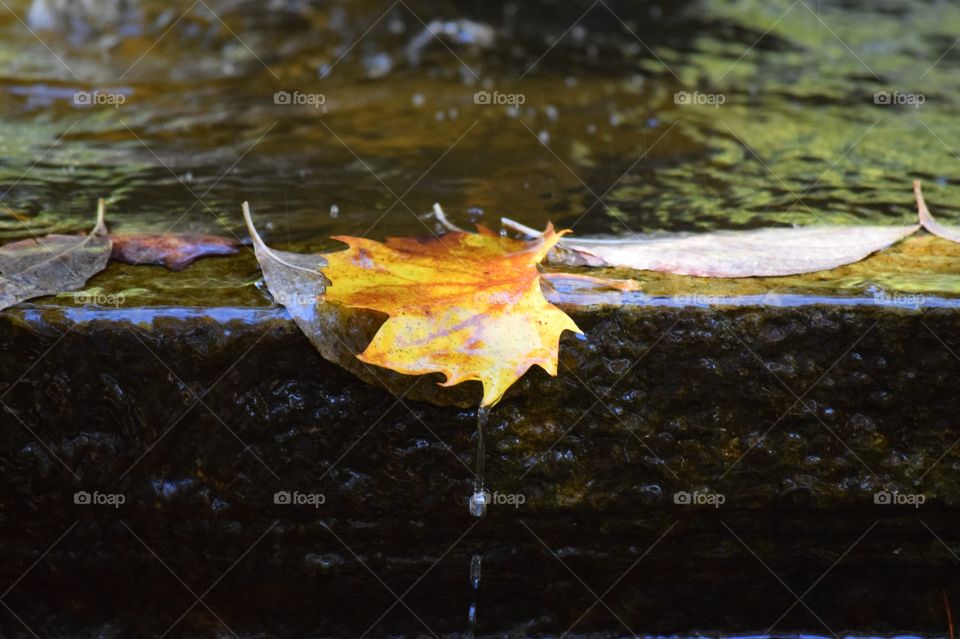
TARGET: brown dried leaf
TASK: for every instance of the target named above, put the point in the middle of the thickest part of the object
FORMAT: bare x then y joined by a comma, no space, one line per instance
176,251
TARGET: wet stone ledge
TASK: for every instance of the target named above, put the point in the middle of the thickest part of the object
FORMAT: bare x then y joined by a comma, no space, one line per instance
822,404
790,413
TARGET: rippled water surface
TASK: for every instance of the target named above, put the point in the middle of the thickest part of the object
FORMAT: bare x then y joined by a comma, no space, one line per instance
598,143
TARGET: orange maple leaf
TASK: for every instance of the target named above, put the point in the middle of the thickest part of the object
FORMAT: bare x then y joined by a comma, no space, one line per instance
467,305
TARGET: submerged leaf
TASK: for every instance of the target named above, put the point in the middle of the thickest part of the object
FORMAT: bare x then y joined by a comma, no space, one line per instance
52,264
467,305
759,253
176,251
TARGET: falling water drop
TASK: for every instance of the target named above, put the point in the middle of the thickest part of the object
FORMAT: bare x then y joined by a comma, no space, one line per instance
475,582
478,504
475,571
479,500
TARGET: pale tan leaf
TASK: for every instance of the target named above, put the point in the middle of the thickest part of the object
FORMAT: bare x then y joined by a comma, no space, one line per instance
52,264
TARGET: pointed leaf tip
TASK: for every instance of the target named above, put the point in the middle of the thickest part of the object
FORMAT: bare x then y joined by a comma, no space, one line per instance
947,232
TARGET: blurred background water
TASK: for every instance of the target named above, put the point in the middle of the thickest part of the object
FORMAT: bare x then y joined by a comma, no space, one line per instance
782,124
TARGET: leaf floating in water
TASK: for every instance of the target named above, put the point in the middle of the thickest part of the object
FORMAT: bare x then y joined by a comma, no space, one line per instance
293,279
951,233
340,332
760,253
176,251
468,305
52,264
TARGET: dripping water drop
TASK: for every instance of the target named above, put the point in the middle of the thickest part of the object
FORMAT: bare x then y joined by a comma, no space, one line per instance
475,582
475,566
480,498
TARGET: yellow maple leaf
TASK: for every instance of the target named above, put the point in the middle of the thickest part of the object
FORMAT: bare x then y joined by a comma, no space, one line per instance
467,305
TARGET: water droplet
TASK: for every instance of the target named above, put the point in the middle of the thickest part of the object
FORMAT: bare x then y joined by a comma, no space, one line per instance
475,582
475,564
378,65
478,503
479,500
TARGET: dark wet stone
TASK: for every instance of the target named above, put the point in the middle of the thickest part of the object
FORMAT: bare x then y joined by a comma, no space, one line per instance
200,419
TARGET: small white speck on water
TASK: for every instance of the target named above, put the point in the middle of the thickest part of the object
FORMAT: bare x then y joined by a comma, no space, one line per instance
334,211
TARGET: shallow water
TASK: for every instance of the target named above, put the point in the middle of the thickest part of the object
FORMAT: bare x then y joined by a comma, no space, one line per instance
790,129
797,139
